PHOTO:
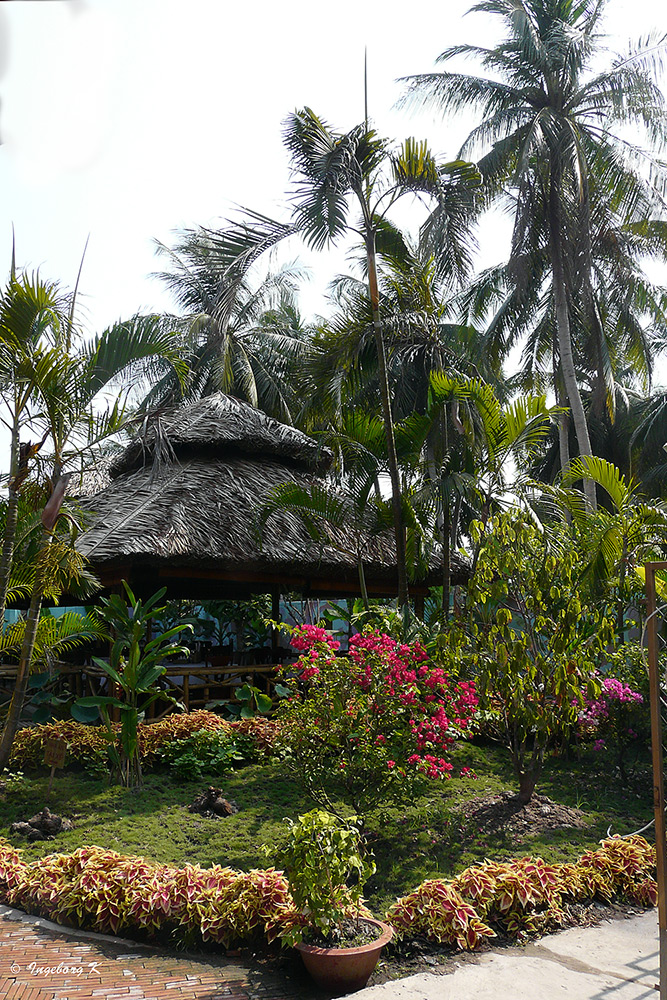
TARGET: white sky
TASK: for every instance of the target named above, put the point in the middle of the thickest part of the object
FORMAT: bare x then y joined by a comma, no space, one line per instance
126,119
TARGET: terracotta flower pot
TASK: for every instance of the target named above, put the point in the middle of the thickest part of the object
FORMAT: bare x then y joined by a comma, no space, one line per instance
344,970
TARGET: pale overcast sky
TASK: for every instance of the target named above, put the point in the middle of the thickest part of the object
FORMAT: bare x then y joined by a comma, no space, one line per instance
126,119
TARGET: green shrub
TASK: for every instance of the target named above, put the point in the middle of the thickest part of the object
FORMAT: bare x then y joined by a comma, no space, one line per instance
204,753
536,646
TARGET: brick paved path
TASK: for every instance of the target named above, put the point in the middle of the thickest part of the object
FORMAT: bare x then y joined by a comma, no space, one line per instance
39,962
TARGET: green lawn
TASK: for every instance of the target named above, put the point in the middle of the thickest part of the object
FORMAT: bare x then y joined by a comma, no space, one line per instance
423,839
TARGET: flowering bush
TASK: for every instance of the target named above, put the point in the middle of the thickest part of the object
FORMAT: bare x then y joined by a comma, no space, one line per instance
617,716
613,694
373,725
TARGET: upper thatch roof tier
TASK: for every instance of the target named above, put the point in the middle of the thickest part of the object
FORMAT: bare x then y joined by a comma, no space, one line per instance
219,426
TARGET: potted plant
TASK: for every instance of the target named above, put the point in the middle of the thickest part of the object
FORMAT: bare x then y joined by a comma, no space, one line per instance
326,866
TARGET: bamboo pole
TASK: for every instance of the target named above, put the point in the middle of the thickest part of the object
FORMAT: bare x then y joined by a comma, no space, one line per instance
658,768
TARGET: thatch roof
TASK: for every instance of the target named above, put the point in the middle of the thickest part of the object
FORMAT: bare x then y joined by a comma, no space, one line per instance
190,522
220,425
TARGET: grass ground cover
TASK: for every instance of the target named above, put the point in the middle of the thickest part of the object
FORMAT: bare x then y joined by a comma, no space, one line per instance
437,835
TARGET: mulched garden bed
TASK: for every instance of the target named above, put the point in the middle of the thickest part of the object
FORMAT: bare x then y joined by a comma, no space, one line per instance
540,815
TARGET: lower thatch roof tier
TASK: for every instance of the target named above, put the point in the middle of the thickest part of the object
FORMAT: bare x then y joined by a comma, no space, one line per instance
193,527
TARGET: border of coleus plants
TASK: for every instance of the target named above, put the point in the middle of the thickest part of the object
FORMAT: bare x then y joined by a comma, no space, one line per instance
102,890
87,744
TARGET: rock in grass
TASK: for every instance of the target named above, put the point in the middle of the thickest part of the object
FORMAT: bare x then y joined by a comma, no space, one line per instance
42,826
212,803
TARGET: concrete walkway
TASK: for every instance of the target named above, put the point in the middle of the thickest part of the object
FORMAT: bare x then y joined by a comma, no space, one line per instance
617,960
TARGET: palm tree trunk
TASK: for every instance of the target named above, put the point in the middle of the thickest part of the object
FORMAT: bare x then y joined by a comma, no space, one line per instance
399,528
620,608
23,672
564,333
11,521
446,559
563,428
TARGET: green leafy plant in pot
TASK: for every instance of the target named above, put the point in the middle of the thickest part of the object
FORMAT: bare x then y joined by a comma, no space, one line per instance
327,867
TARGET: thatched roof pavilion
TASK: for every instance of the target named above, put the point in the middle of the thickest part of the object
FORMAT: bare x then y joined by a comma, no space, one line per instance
181,510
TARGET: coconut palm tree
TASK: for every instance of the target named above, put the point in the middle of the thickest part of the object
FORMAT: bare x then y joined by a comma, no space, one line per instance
618,325
550,124
634,441
248,352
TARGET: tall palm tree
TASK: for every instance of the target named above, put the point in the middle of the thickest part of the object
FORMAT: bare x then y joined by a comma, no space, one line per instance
634,441
618,320
419,339
334,172
550,125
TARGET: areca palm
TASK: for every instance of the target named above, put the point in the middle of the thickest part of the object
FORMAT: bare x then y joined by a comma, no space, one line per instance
547,129
33,317
617,538
349,511
483,463
67,375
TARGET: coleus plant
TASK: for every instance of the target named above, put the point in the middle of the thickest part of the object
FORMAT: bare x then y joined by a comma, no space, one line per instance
106,891
87,744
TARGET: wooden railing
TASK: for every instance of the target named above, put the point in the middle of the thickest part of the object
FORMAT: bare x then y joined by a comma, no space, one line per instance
198,685
195,685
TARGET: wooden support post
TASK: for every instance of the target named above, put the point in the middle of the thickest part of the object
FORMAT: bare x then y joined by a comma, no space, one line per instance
275,615
658,768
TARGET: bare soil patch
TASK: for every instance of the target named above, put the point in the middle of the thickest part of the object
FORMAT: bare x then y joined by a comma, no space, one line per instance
505,812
